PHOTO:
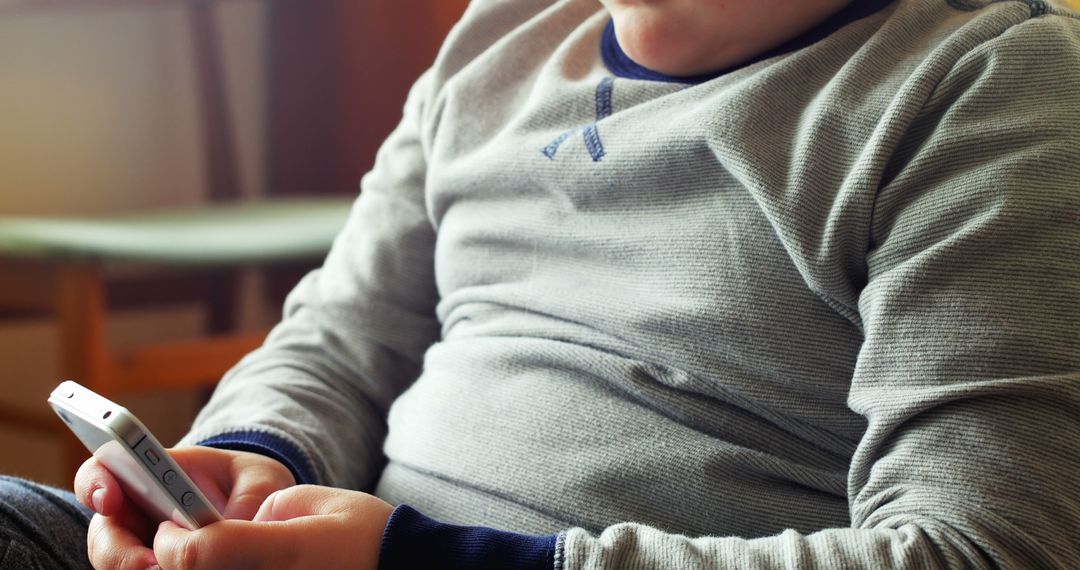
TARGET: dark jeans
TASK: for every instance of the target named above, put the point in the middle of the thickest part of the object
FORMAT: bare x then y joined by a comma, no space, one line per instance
41,528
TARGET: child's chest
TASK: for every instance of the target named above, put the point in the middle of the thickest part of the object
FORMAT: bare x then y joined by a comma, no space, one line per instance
632,225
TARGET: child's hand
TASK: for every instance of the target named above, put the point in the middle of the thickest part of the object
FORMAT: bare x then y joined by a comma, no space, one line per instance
235,482
300,527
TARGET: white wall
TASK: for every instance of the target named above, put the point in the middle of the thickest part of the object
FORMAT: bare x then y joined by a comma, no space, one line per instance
98,109
98,115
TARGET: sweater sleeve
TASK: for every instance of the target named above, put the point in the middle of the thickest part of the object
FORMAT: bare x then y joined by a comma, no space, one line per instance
316,394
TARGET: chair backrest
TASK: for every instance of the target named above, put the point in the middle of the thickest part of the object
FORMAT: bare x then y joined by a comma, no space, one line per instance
219,147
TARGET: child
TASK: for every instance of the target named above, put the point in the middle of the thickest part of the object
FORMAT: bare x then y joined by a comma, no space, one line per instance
744,283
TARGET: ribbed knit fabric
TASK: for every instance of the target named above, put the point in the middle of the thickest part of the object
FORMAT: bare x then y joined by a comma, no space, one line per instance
270,445
413,540
821,311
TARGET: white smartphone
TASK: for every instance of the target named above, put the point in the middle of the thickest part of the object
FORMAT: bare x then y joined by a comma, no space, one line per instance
145,471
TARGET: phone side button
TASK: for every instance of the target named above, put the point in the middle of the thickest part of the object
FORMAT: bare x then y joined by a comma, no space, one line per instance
169,477
151,456
188,499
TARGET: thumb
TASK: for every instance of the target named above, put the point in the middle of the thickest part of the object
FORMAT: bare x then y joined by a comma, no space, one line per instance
296,502
252,487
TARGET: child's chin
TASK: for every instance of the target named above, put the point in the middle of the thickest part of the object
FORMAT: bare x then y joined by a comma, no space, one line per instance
670,54
669,64
660,60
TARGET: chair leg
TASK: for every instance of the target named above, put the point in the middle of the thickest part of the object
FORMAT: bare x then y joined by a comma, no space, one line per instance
224,299
80,308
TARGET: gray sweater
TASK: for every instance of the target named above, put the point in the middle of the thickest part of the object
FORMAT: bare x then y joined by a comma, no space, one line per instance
820,311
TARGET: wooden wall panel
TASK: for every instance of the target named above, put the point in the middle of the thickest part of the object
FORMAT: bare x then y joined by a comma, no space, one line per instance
340,71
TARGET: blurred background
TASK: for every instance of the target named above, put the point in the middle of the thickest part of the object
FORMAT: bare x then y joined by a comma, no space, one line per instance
106,109
103,112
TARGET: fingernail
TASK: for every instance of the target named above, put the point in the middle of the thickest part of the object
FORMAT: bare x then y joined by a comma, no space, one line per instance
98,498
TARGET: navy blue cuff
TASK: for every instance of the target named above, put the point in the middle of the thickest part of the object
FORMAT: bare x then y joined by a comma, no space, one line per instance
269,445
412,540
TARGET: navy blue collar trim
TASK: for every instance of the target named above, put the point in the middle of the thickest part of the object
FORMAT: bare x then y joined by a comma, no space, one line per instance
621,65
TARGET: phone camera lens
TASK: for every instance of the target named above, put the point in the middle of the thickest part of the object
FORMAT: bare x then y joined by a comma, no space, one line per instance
106,416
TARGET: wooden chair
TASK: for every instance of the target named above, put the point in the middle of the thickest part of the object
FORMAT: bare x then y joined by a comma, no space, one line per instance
68,267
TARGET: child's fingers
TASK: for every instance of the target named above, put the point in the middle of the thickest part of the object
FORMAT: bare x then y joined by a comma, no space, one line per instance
111,545
96,488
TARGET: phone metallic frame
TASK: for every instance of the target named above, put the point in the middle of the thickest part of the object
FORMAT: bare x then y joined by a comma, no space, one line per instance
133,455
